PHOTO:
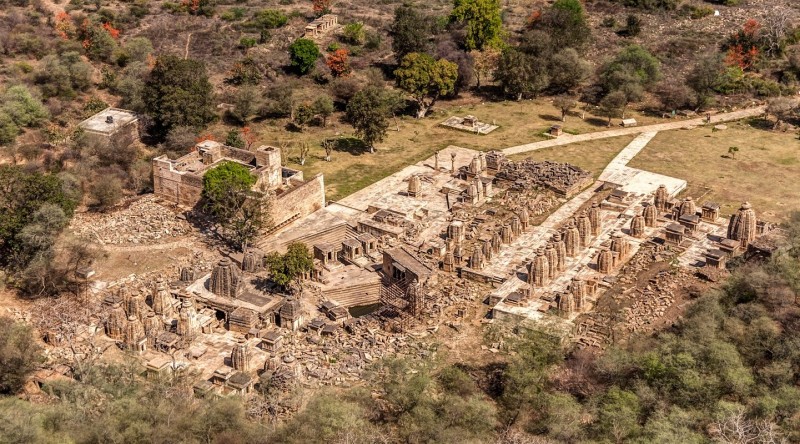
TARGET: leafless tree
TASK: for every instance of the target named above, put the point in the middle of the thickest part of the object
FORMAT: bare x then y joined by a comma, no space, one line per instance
304,149
328,145
776,26
737,428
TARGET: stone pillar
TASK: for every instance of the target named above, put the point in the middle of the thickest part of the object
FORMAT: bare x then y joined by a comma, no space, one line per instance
516,226
637,226
486,246
743,225
578,290
479,187
524,218
115,324
605,261
594,218
572,240
476,260
414,186
660,199
455,231
224,279
620,246
552,260
585,229
538,270
163,301
566,304
436,161
650,214
561,251
240,356
496,243
506,235
453,163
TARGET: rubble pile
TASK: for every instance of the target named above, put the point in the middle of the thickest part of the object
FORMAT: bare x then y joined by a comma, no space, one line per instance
653,301
144,221
563,178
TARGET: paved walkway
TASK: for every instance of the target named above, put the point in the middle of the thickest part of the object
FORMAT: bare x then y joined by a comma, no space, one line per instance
566,139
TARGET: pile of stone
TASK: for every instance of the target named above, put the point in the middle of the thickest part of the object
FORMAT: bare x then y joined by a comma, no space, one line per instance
652,302
563,178
144,221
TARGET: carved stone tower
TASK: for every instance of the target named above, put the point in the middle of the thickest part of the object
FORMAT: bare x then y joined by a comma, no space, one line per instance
742,225
224,279
240,356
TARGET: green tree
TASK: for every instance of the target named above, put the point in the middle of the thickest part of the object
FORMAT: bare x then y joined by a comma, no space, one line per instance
234,138
483,21
323,107
230,199
368,112
565,22
706,77
8,129
247,103
268,19
177,93
520,75
24,109
411,31
612,105
426,79
565,104
633,64
22,194
287,268
618,415
303,53
567,70
19,355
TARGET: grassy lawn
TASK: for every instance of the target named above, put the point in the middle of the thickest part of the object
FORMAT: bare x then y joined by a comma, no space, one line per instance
765,171
350,170
591,156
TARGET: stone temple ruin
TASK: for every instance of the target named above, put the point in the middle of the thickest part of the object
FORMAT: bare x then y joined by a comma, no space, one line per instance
536,241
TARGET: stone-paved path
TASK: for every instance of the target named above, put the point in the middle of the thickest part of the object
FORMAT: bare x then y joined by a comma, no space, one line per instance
566,139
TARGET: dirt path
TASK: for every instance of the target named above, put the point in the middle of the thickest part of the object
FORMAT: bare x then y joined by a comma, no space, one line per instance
566,139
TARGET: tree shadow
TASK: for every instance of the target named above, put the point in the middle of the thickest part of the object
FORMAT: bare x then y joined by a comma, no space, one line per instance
760,123
597,121
550,117
352,145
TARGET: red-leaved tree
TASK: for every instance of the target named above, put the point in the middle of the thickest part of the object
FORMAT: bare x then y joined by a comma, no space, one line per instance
339,62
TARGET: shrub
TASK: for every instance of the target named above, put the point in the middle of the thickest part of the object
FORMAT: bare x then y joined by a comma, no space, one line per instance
354,33
247,42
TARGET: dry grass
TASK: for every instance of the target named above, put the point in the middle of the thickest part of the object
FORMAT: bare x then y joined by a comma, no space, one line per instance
592,156
766,170
520,122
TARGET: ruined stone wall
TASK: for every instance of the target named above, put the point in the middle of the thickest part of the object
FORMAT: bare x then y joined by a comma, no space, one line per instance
303,200
184,189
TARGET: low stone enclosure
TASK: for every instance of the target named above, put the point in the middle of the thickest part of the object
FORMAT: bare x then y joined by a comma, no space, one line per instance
469,124
181,180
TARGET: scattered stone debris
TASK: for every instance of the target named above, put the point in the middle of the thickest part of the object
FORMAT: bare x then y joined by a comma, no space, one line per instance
143,221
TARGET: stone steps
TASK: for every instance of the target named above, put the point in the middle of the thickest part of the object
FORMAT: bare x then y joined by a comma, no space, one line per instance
355,295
